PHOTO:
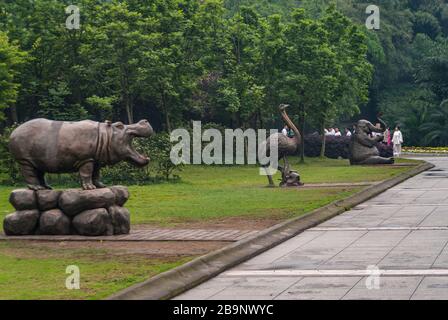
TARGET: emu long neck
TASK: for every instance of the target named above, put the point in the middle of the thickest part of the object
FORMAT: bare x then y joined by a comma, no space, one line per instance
297,135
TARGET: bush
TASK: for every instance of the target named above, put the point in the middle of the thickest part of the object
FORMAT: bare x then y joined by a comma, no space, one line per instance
337,147
161,168
9,169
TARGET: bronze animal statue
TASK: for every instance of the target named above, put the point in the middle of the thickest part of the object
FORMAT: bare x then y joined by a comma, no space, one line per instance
363,148
286,146
44,146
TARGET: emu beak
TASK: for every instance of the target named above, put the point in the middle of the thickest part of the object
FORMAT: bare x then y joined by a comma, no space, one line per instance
282,107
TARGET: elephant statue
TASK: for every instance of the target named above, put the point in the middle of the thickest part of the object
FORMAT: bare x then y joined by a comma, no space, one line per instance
363,148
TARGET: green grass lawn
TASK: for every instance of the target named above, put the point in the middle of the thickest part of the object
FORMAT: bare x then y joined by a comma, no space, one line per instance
205,194
39,272
218,192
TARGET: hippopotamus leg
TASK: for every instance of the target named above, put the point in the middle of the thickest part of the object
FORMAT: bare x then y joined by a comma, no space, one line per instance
33,177
96,177
86,173
43,182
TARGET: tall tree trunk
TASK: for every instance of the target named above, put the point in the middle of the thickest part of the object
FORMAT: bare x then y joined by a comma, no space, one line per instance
302,129
322,132
13,113
129,110
166,113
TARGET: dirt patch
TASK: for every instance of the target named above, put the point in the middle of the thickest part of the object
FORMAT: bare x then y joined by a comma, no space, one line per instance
165,250
230,223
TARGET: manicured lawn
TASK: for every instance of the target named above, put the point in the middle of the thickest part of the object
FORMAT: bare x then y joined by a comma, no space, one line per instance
38,272
207,192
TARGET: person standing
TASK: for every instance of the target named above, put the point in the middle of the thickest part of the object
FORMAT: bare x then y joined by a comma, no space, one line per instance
387,137
285,130
348,133
337,133
397,140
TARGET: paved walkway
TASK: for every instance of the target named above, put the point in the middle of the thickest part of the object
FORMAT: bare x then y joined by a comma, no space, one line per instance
153,235
401,235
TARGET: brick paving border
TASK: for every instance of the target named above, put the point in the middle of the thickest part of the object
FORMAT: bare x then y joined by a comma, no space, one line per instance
224,235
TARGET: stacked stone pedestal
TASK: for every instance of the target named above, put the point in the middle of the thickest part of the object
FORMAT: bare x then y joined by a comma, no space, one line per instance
97,212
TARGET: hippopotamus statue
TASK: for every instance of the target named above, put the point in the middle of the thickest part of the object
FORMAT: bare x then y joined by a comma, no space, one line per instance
363,148
44,146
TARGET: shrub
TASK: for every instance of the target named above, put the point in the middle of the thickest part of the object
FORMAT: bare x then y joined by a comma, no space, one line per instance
9,169
161,168
337,147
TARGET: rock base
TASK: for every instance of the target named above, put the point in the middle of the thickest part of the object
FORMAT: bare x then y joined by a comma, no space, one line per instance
97,212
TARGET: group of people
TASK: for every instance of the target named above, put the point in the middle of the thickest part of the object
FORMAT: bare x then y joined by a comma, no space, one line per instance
395,139
337,133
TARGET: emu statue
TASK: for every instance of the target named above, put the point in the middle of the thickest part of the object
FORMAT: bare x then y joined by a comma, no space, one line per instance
286,146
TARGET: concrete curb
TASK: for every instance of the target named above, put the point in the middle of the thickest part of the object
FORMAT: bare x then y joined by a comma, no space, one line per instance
178,280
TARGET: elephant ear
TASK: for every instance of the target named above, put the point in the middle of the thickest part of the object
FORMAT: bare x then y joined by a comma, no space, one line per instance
118,125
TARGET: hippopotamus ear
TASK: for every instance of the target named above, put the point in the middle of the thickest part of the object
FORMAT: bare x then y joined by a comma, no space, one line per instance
118,125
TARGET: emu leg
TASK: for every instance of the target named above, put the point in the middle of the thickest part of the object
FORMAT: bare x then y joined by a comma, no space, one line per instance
270,180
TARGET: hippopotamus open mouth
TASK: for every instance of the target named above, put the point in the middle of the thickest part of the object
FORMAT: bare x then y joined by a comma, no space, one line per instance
141,129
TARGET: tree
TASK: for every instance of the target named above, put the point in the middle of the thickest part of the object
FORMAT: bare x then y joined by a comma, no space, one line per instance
308,82
436,129
11,59
117,52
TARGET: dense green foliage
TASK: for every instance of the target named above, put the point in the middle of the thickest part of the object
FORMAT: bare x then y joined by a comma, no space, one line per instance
229,62
409,53
173,61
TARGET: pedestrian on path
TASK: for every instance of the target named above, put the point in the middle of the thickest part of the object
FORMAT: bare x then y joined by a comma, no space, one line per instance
387,137
397,140
348,133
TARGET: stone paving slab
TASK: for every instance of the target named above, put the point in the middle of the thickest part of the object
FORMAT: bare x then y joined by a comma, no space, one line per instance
403,232
152,235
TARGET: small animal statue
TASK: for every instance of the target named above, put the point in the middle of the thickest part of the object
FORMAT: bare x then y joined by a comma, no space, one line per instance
43,146
290,178
363,148
286,146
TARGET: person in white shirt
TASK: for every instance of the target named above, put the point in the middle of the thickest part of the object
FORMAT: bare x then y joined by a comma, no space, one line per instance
397,141
285,131
376,134
332,132
348,133
337,133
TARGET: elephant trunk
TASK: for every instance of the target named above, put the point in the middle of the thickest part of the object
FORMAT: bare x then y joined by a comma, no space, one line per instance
383,124
372,128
